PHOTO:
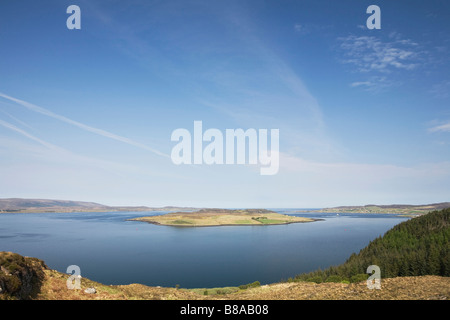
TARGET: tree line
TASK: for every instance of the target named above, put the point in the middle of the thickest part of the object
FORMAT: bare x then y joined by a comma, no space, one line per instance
416,247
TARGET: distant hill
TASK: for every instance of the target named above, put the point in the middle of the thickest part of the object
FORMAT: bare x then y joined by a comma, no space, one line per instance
405,209
19,205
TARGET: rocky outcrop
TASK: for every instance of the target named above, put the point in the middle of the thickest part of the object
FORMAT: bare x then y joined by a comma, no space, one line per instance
90,290
20,277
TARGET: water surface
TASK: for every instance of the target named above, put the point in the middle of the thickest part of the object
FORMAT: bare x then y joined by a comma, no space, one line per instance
111,250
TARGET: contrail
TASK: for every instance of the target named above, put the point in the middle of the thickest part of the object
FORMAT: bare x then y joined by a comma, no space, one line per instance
26,134
17,120
80,125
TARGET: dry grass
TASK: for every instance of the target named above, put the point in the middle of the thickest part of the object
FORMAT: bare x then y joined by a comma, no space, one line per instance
400,288
214,218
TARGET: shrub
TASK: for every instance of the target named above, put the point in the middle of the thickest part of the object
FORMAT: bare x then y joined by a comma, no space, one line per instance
359,277
334,278
250,285
316,279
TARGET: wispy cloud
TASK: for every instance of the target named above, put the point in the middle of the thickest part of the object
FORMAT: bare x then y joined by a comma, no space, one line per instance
441,89
82,126
28,135
364,175
302,29
374,84
371,54
16,119
54,153
275,67
441,128
378,60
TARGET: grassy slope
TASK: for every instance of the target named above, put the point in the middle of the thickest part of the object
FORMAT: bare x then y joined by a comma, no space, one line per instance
221,217
401,288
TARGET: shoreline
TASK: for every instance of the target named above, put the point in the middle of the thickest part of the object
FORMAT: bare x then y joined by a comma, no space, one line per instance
222,217
224,225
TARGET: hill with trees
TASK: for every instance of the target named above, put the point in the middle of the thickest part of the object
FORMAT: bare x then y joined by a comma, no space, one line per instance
416,247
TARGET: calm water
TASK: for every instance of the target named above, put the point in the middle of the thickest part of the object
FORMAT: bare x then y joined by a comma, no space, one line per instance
110,250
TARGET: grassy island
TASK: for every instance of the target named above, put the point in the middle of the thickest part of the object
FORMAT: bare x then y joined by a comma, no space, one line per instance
222,217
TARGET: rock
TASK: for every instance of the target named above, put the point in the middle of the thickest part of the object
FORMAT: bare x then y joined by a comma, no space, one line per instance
20,277
90,290
5,271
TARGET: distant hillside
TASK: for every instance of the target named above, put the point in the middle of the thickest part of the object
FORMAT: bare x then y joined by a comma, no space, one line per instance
416,247
404,209
18,205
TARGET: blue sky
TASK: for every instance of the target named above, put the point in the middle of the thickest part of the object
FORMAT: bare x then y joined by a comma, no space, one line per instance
363,115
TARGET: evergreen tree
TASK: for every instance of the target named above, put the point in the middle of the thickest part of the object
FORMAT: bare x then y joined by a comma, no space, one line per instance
419,246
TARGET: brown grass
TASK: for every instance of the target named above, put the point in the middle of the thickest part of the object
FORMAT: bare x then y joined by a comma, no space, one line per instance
400,288
206,218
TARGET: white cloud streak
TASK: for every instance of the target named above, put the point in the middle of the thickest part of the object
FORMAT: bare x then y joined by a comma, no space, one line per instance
441,128
82,126
30,136
374,84
60,155
17,120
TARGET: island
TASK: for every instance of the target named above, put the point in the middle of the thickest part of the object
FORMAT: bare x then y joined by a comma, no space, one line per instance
223,217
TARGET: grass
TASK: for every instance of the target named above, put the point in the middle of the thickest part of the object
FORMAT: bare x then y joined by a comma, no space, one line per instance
214,291
182,222
243,222
265,220
224,290
222,217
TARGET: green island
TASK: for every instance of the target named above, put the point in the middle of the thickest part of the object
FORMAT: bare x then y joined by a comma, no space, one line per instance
223,217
